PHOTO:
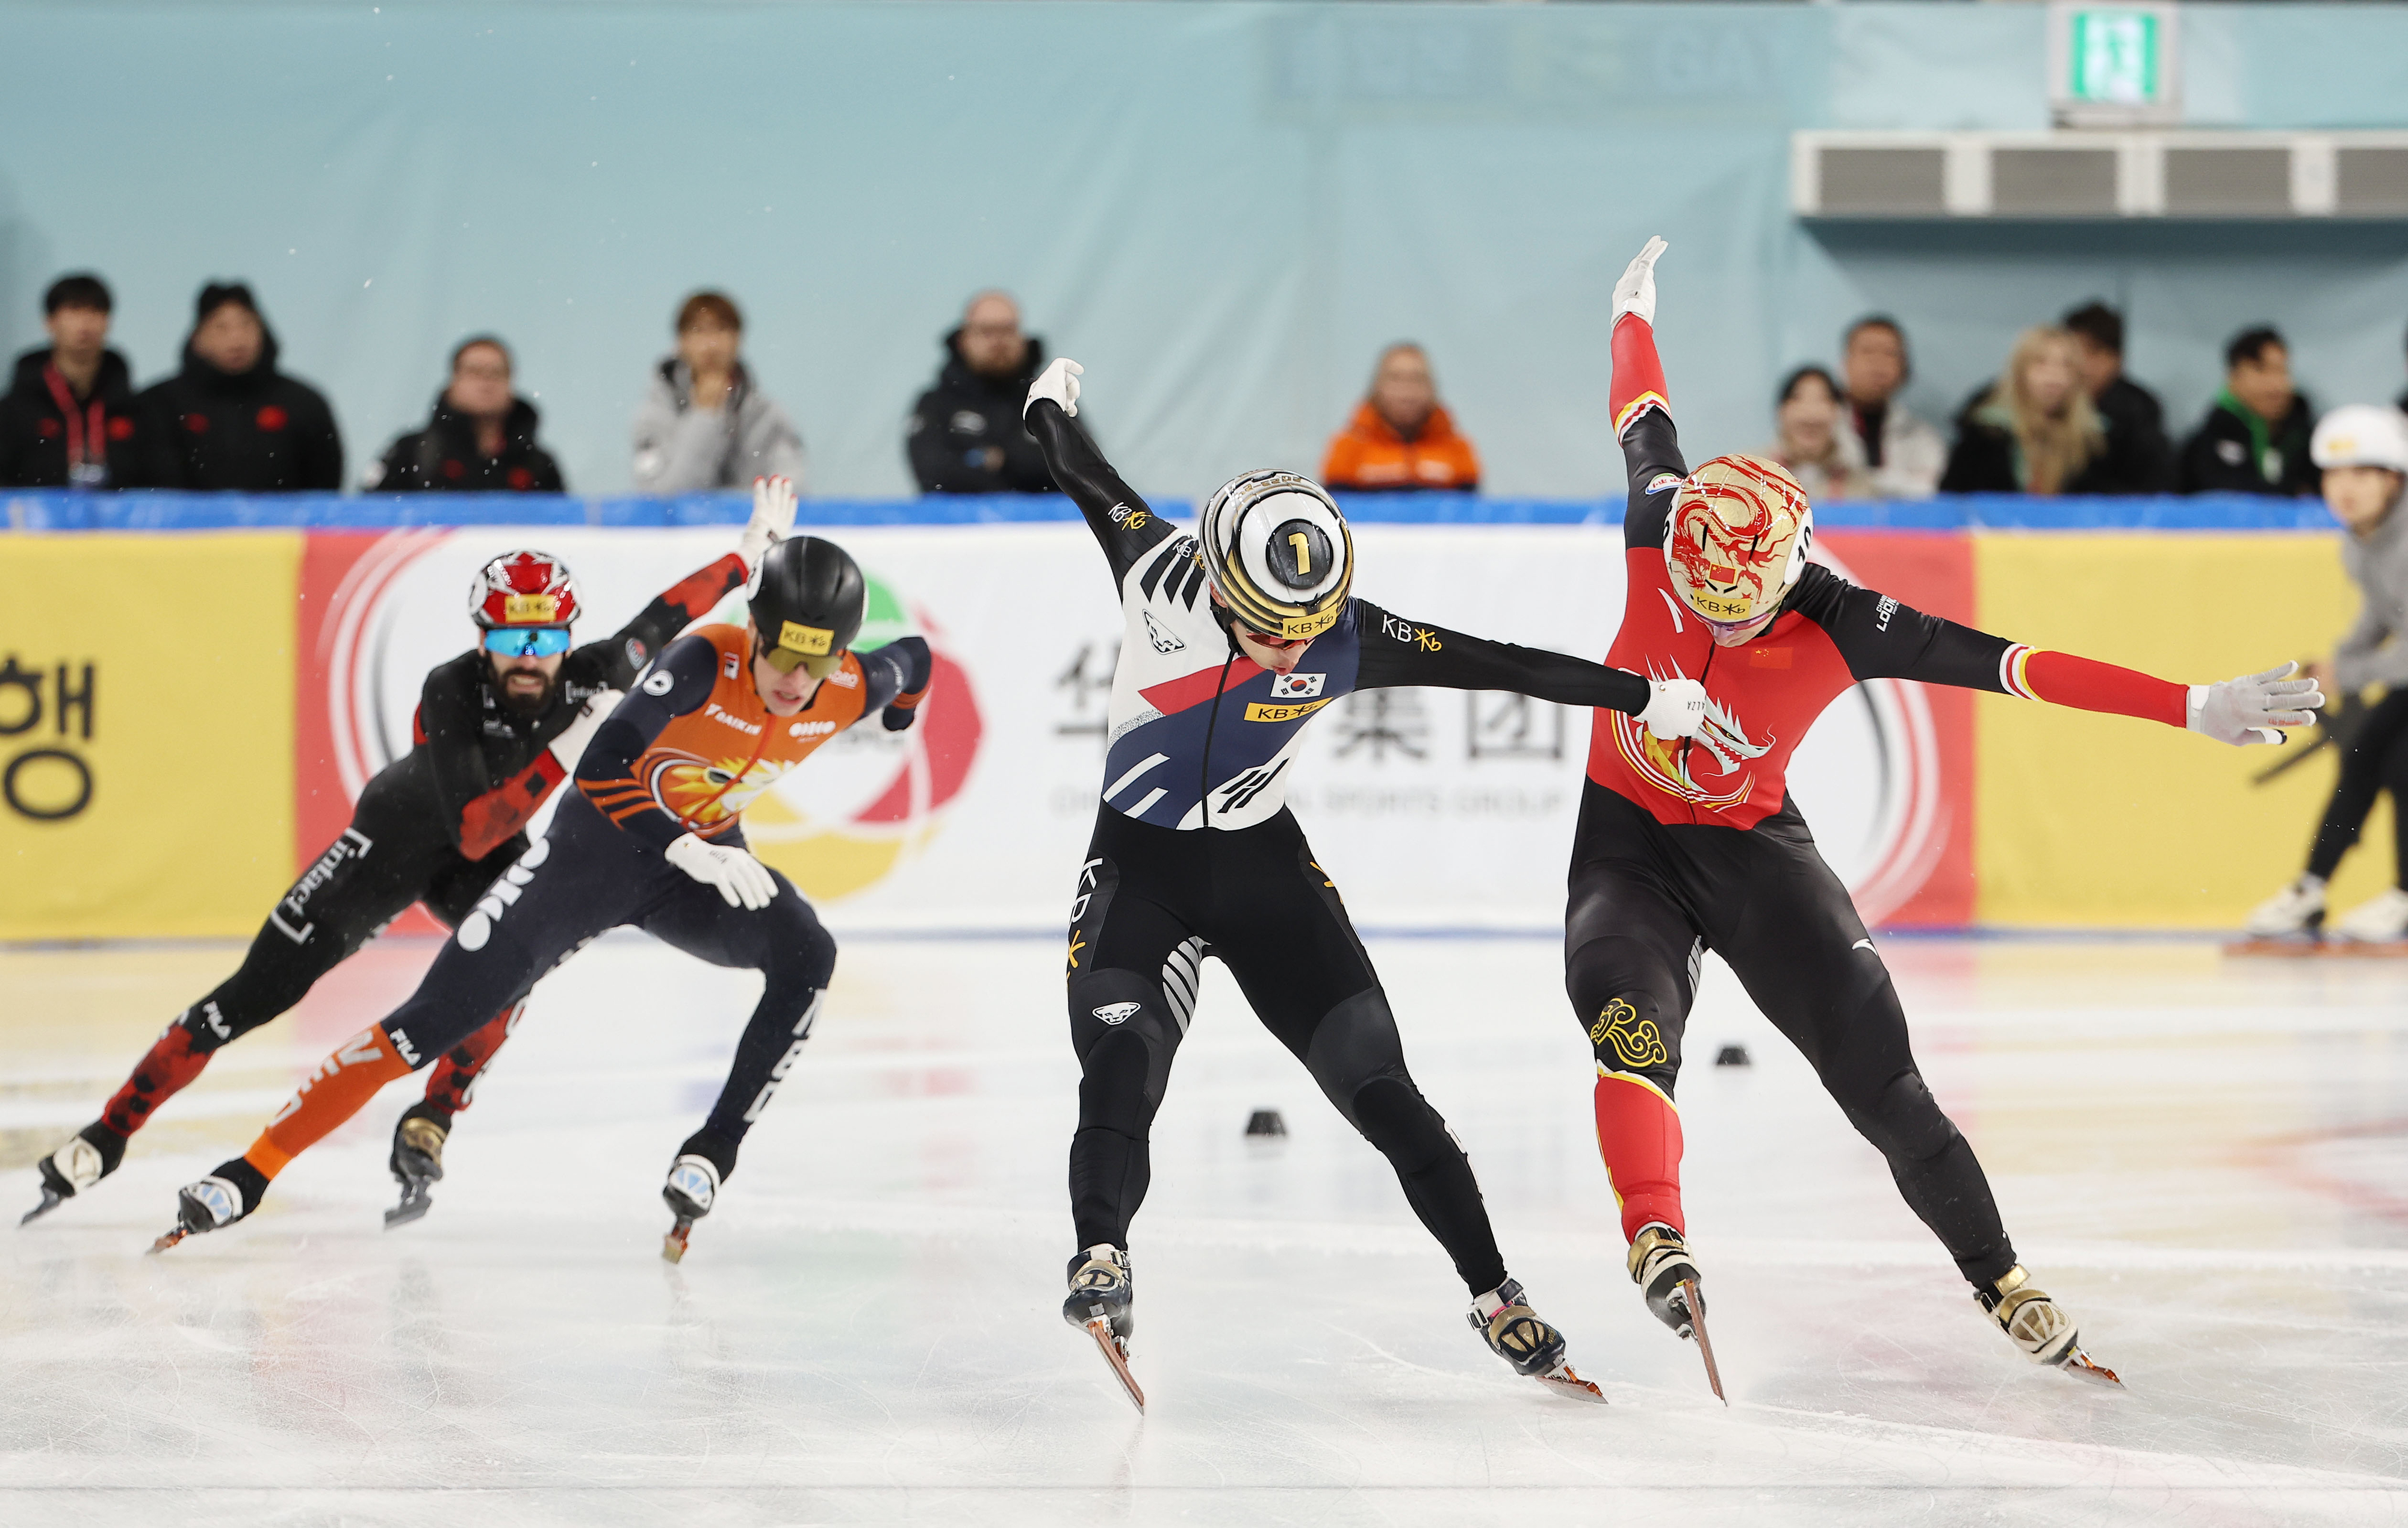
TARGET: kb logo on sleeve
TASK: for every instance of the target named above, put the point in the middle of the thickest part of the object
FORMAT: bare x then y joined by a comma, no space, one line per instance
1297,686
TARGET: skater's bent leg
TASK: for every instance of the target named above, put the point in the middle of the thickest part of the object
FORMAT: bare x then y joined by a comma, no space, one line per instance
334,1091
1627,970
1125,1036
1358,1059
452,1082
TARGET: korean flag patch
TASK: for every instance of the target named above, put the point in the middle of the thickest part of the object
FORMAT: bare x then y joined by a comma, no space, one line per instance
1296,686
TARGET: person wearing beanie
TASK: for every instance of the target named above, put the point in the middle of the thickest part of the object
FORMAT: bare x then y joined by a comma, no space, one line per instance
230,422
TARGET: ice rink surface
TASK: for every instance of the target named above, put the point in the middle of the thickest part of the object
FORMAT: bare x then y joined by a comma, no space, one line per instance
2207,1160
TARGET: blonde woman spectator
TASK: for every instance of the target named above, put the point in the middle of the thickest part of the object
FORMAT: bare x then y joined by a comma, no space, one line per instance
1824,459
2036,431
703,424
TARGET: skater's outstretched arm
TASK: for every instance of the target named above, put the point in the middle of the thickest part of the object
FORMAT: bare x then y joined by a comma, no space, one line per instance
1398,652
1881,639
1123,523
1642,405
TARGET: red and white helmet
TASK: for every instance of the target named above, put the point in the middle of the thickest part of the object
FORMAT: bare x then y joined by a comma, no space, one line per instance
522,589
1736,541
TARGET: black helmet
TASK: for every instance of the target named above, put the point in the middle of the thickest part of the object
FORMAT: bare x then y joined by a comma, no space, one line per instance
808,598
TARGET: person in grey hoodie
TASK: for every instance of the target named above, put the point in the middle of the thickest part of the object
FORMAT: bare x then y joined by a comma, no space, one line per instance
2363,451
703,424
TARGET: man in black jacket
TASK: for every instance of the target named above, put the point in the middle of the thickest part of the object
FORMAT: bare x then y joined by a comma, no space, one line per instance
2137,447
2254,437
230,422
68,419
965,433
482,438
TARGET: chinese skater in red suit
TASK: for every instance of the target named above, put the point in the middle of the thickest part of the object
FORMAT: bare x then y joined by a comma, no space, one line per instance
1690,845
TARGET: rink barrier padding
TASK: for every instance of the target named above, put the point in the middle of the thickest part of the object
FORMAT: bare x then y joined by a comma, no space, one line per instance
233,720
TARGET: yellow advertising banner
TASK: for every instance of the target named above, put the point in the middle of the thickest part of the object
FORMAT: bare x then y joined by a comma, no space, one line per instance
2084,819
146,732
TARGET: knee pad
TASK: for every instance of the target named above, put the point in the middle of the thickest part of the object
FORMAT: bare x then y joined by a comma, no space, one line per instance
804,956
1395,1117
1353,1044
1904,1120
1114,1091
1630,1032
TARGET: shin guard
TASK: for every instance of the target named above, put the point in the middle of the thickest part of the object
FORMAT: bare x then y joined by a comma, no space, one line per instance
331,1094
1638,1135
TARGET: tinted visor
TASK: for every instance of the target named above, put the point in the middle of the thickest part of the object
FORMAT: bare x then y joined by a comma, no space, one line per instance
527,641
786,660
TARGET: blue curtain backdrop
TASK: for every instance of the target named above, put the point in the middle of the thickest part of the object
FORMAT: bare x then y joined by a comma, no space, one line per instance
1222,209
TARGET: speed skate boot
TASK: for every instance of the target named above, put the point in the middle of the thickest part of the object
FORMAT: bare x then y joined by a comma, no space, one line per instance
1514,1332
216,1202
704,1162
2039,1326
2378,920
2297,909
90,1155
417,1160
1099,1304
1667,1276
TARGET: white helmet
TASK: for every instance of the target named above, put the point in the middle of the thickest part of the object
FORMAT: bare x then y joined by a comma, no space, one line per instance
2361,434
1279,551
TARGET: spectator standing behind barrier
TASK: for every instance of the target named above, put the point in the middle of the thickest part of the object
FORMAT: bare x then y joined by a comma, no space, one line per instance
2139,458
1401,436
482,438
230,420
2363,449
2036,430
1904,456
68,419
1824,459
966,435
703,424
2254,437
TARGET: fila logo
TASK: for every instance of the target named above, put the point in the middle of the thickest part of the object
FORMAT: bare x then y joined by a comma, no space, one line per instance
1297,686
1163,641
730,669
401,1045
1116,1013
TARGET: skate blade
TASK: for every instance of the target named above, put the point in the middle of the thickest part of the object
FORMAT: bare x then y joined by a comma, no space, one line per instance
49,1202
1116,1354
1562,1380
413,1206
166,1241
673,1243
1705,1344
2081,1366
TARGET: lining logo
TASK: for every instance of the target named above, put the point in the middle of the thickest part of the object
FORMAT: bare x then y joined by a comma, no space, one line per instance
1257,711
1636,1041
1116,1013
1296,686
1883,611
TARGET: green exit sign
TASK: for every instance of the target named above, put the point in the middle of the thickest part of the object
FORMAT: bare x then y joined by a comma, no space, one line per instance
2115,64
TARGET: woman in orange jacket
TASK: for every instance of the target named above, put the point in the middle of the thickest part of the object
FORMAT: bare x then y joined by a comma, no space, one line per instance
1399,438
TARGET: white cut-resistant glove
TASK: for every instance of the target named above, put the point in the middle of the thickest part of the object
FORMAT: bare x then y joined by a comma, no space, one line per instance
1636,291
741,880
773,521
1677,709
570,745
2254,707
1059,381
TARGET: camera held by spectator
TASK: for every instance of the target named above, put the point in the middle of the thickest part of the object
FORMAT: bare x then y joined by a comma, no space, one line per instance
69,419
230,420
2254,437
966,435
703,424
1401,436
1826,460
481,440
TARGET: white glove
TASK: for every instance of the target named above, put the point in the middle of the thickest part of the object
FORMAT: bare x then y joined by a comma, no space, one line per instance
1059,381
742,880
773,521
570,745
1676,710
2251,708
1636,291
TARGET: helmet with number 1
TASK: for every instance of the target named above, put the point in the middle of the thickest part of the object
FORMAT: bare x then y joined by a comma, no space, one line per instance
1279,553
523,589
808,601
1735,543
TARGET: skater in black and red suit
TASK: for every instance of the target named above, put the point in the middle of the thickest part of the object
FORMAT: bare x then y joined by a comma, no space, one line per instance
1696,845
496,729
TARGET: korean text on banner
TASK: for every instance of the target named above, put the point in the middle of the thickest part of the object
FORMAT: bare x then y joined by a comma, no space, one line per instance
145,733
